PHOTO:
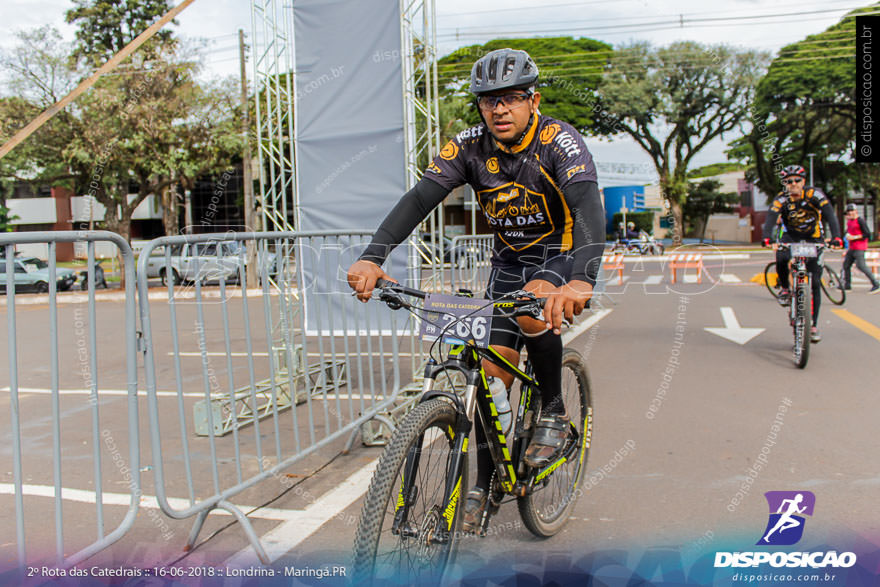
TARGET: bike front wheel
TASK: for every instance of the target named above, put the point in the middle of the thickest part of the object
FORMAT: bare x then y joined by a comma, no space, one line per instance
832,286
803,315
415,547
771,279
546,509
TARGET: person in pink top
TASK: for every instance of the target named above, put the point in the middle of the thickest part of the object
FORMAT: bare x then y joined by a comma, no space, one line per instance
858,235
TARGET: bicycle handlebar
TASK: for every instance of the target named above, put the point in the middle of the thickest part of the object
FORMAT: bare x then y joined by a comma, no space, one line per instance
390,294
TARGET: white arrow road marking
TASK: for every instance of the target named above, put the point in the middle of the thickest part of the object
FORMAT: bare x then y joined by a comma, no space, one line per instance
732,330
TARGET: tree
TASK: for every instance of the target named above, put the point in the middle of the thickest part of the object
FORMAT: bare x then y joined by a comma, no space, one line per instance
106,26
39,73
703,200
570,71
675,100
805,104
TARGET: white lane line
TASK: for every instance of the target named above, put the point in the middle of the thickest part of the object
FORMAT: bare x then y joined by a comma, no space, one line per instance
653,280
689,278
147,501
285,537
261,354
579,329
729,278
614,280
82,298
45,391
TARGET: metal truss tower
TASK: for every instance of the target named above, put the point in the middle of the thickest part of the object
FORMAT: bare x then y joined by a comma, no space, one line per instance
272,48
273,68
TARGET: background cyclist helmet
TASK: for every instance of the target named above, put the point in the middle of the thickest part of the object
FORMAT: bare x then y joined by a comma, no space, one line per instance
503,69
793,170
851,207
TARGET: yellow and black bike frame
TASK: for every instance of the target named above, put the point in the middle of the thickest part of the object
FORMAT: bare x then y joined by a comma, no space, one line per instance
513,476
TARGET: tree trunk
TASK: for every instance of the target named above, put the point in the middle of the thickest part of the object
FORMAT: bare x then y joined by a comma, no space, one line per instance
170,211
677,222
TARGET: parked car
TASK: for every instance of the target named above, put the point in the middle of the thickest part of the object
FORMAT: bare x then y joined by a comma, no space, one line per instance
210,261
32,274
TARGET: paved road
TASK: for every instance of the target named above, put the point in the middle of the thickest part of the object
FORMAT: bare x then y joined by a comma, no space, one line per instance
690,430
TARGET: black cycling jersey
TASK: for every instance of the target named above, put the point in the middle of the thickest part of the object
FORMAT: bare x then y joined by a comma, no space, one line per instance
540,196
802,217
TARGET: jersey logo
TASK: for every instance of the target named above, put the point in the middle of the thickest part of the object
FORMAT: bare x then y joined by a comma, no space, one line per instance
433,168
507,196
469,133
510,207
574,170
492,165
549,132
568,144
449,151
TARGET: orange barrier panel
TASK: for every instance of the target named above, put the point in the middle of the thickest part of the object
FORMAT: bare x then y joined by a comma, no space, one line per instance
614,263
686,261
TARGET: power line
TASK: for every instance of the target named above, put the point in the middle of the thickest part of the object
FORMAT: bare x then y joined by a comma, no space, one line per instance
630,19
641,27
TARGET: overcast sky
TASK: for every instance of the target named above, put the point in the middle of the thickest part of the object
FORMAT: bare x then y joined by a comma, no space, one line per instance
742,23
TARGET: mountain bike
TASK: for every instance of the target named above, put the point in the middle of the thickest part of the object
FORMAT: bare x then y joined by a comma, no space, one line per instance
411,518
832,285
800,307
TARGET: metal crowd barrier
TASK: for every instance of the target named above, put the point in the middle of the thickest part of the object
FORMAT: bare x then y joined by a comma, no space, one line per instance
333,364
67,439
470,262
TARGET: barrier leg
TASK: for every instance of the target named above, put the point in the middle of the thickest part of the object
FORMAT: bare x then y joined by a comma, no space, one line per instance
240,517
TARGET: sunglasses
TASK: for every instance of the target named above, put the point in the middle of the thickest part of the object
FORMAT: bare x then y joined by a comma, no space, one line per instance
489,103
788,181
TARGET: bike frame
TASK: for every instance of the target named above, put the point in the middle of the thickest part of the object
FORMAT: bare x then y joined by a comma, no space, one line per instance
465,358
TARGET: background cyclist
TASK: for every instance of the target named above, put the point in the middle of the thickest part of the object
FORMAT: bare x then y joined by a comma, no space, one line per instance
536,183
802,210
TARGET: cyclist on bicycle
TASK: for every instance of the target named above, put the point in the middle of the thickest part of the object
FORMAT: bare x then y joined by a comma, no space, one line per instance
802,210
536,183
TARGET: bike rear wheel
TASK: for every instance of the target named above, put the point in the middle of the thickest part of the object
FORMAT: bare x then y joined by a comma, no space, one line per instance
803,315
412,555
770,274
832,286
546,510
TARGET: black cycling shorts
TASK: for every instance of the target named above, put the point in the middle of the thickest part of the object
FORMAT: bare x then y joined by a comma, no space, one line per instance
509,278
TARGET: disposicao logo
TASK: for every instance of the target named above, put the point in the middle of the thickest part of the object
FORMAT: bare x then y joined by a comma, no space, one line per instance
787,510
785,527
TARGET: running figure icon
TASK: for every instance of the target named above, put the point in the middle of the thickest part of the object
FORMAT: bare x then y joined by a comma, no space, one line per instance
786,521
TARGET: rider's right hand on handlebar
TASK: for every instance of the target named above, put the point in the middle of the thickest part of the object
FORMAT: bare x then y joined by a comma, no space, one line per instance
362,277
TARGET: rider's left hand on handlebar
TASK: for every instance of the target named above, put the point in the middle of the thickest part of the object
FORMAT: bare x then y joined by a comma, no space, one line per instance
566,301
837,243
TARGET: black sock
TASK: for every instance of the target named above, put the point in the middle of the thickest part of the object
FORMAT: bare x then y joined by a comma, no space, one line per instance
545,353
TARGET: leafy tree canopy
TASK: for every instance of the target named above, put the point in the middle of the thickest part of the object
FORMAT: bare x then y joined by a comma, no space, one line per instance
715,169
104,27
570,71
675,100
805,104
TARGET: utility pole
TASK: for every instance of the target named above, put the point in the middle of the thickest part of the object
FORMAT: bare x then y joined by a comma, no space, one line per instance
249,216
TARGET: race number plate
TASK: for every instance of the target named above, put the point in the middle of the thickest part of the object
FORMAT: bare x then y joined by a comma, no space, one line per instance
804,250
456,319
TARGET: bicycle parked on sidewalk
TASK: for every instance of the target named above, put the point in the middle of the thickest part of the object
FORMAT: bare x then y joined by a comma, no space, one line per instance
411,520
